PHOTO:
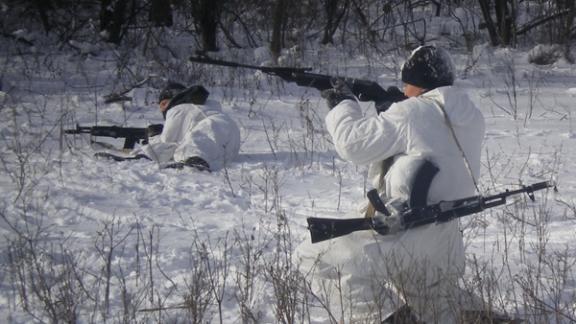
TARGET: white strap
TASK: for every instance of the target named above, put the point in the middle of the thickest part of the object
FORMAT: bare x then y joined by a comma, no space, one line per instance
451,128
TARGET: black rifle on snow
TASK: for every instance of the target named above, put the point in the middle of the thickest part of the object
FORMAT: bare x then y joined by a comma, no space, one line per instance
364,90
132,135
322,229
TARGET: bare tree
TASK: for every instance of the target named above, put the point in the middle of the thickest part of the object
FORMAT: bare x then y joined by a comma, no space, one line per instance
278,21
206,14
160,13
566,25
112,19
503,30
42,7
335,11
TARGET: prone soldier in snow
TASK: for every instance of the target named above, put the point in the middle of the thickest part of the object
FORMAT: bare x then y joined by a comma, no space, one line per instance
196,133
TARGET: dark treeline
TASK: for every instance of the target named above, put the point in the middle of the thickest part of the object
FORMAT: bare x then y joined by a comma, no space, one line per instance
280,24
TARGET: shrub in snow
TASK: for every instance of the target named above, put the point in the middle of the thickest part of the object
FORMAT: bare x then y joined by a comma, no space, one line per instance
544,54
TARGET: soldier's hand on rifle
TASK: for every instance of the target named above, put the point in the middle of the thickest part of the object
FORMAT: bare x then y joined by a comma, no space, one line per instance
154,129
393,94
340,91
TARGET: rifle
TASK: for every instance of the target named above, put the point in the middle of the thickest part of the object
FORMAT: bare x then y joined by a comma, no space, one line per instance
132,135
364,90
322,229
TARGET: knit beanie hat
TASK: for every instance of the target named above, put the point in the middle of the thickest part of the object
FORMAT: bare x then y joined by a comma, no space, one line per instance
171,90
428,67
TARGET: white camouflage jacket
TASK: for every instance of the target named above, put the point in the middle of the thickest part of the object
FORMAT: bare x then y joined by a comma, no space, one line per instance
196,130
409,130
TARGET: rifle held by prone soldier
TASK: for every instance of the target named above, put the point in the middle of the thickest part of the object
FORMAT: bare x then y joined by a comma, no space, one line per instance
132,135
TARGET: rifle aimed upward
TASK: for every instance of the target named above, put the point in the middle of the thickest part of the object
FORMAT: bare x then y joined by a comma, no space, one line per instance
364,90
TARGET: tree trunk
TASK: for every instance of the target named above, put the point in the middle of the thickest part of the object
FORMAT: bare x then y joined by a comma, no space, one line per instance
160,13
438,6
330,8
502,32
206,13
112,15
333,18
276,43
486,13
567,26
505,21
43,6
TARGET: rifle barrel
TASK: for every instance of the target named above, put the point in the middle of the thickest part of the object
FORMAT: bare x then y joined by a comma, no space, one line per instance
265,69
527,189
78,130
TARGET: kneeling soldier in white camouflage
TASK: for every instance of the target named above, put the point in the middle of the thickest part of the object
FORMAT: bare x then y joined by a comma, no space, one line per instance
411,274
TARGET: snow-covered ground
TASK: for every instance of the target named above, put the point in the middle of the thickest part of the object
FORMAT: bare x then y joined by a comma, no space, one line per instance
128,241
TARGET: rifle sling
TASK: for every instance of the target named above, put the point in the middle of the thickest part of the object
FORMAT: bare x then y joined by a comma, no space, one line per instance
419,189
385,166
421,185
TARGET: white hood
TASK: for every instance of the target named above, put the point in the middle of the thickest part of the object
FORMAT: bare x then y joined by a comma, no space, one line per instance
457,104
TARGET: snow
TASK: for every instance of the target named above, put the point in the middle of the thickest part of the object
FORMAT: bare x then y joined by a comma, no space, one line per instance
161,227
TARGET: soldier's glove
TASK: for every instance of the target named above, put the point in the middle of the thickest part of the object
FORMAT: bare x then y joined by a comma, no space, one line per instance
197,163
340,91
393,94
393,221
386,225
154,129
194,162
118,158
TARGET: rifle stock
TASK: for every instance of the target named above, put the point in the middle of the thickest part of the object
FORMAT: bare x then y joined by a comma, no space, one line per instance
322,229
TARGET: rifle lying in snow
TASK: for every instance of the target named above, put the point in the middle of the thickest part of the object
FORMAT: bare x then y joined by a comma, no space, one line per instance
322,229
132,135
364,90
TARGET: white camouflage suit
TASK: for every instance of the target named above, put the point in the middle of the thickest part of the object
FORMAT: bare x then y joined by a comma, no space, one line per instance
196,130
365,274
